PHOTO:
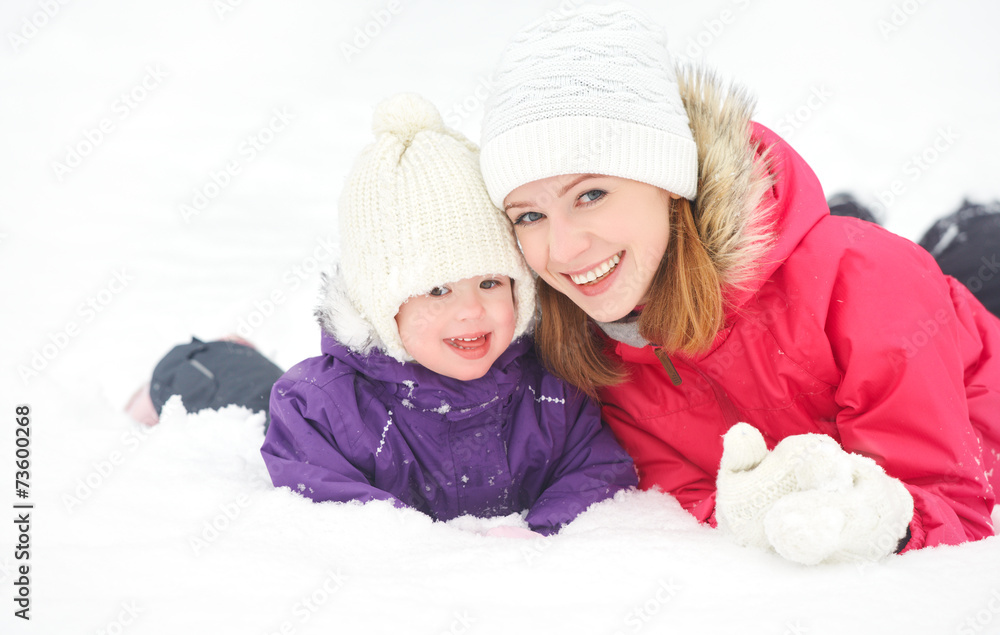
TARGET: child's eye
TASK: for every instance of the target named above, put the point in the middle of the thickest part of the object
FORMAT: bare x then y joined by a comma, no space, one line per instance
438,291
528,217
592,195
490,284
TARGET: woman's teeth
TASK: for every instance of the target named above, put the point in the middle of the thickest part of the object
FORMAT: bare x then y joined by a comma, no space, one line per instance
597,272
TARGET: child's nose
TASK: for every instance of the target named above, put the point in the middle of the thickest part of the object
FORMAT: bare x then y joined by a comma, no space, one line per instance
471,306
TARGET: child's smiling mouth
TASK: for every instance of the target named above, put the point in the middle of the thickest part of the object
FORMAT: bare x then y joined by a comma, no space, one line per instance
470,347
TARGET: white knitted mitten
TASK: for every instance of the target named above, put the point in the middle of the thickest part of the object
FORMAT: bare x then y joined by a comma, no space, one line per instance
751,479
808,499
864,521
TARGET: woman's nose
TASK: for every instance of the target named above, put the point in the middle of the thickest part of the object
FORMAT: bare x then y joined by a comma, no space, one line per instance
568,239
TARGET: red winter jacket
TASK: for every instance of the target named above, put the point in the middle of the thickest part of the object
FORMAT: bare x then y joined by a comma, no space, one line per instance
843,329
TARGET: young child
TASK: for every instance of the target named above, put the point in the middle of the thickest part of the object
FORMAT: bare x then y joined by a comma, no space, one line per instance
428,393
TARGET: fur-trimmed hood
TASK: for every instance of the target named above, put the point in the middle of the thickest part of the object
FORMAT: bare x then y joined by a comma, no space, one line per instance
734,210
338,317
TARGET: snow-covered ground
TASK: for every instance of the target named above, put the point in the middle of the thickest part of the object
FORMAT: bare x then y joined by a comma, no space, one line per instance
172,169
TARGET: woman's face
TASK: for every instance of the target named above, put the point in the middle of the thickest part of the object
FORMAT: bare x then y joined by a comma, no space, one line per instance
596,239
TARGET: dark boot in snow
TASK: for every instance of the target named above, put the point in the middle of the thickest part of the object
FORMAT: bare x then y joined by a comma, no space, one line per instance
207,375
844,204
966,245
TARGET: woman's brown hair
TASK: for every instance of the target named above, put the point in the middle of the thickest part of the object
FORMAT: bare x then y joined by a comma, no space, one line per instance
683,311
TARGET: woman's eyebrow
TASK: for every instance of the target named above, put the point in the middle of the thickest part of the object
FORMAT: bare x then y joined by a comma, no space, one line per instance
562,191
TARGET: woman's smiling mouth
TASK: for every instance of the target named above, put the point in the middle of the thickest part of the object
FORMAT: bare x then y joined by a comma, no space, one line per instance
598,272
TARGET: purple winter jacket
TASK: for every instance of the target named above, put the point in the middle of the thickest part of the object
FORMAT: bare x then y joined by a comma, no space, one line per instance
363,426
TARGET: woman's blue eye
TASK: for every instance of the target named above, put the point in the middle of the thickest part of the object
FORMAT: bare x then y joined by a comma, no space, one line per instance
528,217
592,195
439,291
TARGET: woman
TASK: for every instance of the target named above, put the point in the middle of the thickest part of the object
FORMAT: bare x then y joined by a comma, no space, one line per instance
692,278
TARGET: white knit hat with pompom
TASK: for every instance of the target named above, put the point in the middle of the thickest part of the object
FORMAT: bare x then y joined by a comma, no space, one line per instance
589,90
416,215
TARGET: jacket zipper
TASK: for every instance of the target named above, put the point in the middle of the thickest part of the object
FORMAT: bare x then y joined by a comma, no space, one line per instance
729,411
675,377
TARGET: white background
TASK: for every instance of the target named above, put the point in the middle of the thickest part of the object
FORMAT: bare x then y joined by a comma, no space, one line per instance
102,274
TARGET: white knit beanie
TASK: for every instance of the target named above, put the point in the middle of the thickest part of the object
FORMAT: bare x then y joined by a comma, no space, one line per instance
415,215
588,91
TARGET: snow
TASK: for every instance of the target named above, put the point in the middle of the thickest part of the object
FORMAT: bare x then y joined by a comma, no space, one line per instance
217,136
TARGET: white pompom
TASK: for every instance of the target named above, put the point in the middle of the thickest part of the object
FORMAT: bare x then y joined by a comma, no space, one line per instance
405,115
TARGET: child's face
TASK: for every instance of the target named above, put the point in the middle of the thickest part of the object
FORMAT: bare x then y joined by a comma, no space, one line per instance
459,329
